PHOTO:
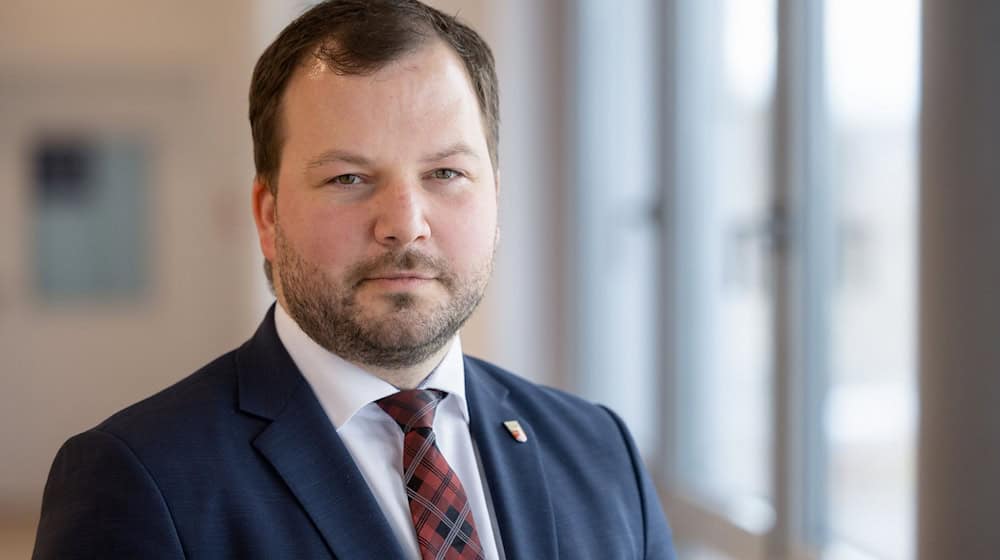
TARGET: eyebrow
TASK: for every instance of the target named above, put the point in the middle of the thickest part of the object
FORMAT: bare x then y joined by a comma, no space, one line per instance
333,156
460,148
344,156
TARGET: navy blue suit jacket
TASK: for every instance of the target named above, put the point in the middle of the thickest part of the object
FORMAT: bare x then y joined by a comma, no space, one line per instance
240,461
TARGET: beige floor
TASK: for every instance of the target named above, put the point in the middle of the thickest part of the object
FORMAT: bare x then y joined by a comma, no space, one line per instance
17,538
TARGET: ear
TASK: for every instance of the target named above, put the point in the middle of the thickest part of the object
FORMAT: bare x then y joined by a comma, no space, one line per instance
265,207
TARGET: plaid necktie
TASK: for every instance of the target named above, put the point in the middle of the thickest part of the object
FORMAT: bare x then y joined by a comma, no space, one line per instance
438,505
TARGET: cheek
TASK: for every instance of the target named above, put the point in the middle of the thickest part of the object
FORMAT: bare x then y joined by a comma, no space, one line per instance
470,234
323,236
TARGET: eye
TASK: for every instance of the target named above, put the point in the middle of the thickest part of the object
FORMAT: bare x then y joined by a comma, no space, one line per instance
346,179
445,174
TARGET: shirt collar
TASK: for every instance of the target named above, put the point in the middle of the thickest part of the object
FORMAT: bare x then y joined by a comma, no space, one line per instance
344,388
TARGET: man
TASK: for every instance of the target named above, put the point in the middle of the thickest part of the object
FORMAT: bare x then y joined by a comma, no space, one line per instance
351,425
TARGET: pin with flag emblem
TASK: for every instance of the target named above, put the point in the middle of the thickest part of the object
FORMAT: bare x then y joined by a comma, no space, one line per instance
514,427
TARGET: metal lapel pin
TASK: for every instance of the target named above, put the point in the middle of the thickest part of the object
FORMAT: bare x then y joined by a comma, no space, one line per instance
516,432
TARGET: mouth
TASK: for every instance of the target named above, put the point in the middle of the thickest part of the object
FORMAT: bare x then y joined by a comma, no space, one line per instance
401,275
399,280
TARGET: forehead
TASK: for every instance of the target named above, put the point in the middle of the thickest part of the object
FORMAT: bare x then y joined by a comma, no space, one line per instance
428,88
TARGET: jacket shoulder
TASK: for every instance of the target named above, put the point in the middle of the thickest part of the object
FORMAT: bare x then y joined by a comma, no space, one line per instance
188,407
539,401
589,445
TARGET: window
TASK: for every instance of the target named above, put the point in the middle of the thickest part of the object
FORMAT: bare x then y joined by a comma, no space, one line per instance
747,287
723,293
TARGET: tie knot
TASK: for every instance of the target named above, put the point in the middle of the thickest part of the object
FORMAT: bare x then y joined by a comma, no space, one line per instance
412,408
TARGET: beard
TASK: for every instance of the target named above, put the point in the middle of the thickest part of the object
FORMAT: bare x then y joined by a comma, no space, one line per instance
410,328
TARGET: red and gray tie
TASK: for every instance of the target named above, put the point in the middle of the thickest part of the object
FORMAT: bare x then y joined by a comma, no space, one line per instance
438,504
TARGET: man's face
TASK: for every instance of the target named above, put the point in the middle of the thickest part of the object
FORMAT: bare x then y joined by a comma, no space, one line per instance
383,230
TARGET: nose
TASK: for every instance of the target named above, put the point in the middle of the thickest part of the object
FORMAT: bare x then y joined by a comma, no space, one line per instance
401,214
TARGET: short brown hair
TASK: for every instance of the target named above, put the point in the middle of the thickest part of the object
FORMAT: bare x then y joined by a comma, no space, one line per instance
358,37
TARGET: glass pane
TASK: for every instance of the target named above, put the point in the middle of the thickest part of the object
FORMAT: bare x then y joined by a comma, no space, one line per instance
89,230
616,268
872,66
724,299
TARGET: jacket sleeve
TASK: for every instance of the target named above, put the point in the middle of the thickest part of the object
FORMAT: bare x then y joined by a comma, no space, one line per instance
101,502
658,540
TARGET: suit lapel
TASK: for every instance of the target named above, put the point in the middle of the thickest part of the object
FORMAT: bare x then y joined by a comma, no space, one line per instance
306,452
513,470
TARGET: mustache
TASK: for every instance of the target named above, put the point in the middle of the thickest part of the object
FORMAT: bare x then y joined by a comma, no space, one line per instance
400,261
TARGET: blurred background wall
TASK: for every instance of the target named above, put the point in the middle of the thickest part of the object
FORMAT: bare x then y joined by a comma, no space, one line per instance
125,258
720,217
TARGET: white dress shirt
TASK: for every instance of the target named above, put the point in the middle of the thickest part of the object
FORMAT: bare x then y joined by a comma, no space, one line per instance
348,394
